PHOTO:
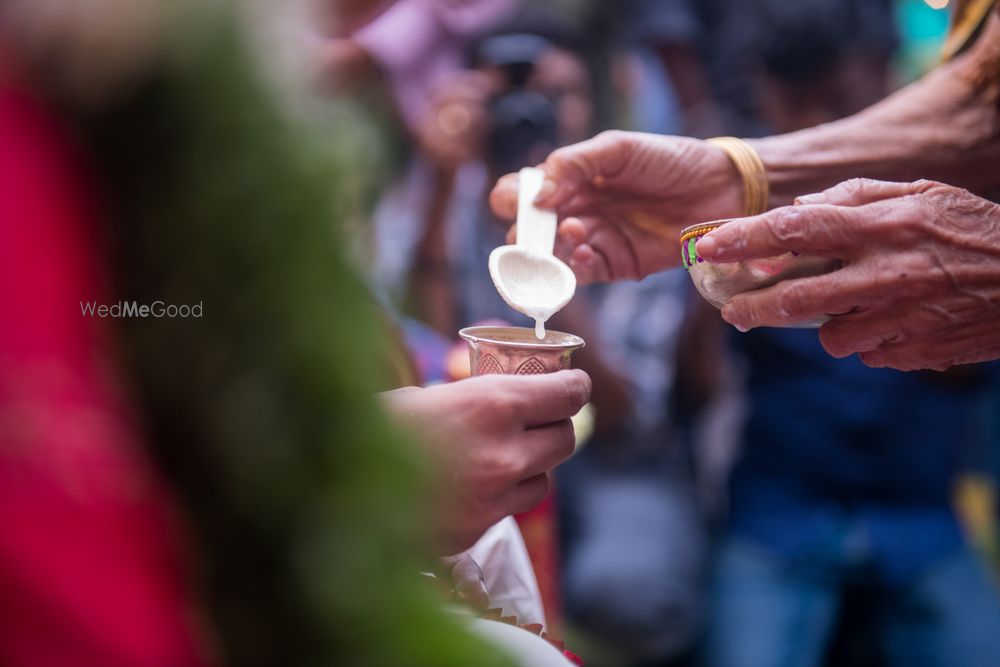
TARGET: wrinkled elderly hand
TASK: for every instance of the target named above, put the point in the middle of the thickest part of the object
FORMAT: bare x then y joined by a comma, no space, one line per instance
624,197
920,282
495,439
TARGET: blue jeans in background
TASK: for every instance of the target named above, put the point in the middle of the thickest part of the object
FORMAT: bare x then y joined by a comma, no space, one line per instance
770,612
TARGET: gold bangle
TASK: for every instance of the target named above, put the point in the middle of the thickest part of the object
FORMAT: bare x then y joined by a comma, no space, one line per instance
751,168
966,21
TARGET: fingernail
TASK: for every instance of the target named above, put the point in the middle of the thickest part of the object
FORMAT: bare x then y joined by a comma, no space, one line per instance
548,189
817,198
707,247
729,315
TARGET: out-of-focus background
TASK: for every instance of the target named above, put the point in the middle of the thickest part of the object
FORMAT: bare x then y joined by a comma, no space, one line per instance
742,493
742,498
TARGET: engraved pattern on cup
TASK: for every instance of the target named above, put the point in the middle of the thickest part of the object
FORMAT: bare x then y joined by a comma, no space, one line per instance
489,365
531,367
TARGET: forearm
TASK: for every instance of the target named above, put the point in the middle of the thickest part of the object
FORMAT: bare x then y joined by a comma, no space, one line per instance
945,127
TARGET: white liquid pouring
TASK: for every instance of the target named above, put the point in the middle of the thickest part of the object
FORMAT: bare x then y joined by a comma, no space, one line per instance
527,275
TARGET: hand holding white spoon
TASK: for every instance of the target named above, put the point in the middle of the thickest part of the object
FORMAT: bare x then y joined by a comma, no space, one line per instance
527,275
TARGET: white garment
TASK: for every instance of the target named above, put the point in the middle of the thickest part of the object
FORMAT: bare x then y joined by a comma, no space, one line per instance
509,576
526,649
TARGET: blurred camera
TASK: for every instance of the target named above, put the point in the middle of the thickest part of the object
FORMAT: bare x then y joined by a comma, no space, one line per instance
524,124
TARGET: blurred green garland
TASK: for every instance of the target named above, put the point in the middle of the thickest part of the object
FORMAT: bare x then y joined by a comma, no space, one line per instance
301,498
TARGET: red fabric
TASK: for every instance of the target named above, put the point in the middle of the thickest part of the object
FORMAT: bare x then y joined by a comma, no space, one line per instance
90,569
540,531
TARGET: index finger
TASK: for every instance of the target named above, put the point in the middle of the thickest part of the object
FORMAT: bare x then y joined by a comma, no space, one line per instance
820,230
503,197
568,170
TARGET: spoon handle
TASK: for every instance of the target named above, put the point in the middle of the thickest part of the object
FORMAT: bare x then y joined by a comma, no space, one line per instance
536,228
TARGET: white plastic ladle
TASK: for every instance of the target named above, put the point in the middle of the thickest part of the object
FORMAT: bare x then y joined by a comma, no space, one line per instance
527,275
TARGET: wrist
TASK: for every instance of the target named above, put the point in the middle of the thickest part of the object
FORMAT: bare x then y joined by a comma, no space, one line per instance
789,176
717,192
747,193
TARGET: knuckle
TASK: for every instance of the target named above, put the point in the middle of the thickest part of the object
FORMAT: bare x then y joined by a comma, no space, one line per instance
918,273
504,463
834,341
792,300
737,311
886,274
577,386
504,404
904,222
788,224
565,439
898,280
914,274
854,187
925,207
924,185
511,407
954,208
930,201
873,358
937,194
883,358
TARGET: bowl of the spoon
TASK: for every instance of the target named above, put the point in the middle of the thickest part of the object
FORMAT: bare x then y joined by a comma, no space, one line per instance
536,284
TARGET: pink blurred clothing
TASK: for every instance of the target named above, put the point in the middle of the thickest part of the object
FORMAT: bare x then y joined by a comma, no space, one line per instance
418,42
91,570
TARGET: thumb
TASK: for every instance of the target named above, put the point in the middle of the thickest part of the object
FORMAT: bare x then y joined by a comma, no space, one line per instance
546,399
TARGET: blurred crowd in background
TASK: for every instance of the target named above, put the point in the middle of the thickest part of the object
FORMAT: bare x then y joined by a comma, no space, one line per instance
743,498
